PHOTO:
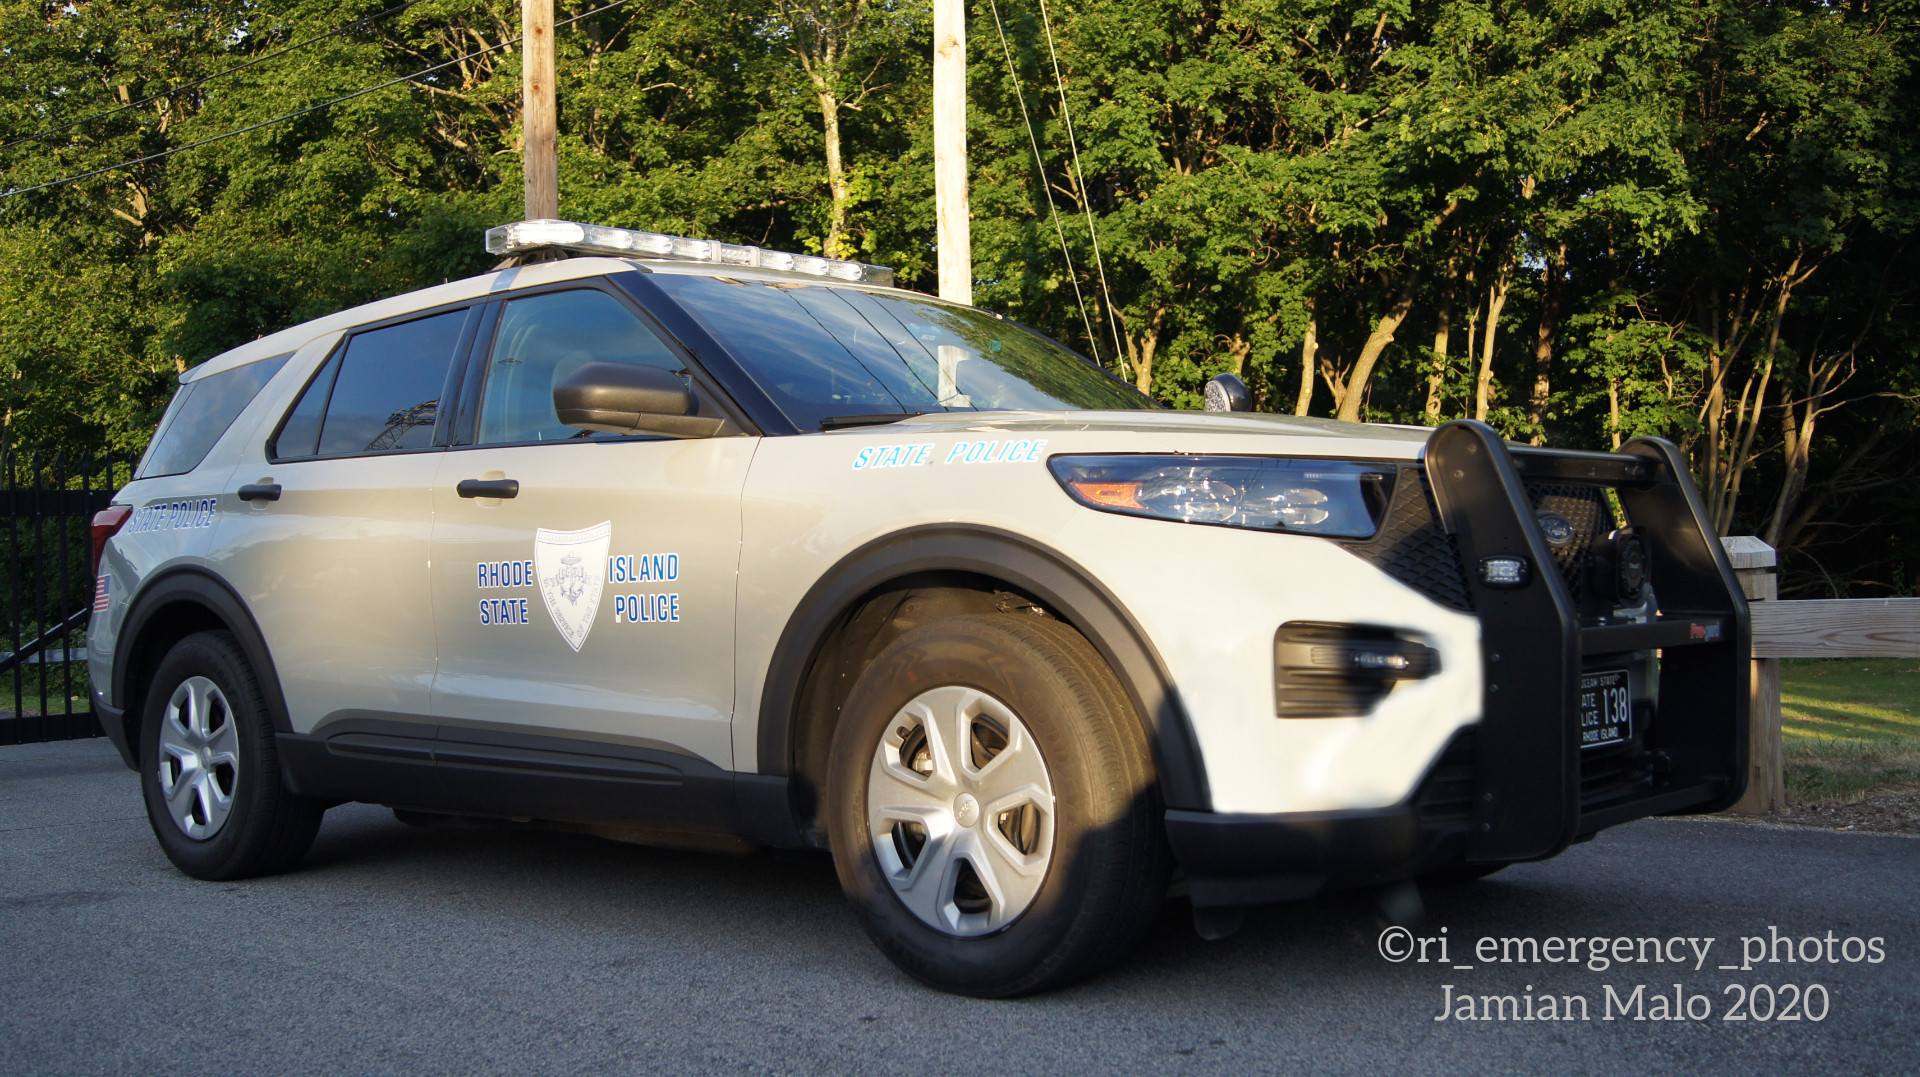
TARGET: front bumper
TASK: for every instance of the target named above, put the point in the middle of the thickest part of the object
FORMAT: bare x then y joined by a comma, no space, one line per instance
1517,785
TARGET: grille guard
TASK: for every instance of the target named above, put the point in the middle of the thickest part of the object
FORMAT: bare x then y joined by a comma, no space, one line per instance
1526,788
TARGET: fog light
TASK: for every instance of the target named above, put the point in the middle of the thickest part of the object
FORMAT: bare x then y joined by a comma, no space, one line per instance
1338,670
1504,571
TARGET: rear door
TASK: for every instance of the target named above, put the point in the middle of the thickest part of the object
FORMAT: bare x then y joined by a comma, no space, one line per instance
335,569
583,593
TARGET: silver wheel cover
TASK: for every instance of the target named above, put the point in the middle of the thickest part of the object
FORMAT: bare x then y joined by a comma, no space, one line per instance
199,758
960,811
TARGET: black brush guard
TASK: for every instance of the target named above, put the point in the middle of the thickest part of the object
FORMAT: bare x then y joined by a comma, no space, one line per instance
1527,765
1509,788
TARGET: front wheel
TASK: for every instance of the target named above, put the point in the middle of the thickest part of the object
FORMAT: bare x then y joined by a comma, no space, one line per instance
209,770
992,808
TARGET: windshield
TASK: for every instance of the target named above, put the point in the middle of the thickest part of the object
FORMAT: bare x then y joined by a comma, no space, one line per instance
823,352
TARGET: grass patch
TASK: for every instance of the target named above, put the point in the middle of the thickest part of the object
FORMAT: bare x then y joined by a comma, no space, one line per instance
65,682
1850,726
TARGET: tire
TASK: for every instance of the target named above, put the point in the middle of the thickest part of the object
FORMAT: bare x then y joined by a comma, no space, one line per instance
209,769
1072,878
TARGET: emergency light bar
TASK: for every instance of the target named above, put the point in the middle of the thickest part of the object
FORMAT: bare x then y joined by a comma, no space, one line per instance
523,236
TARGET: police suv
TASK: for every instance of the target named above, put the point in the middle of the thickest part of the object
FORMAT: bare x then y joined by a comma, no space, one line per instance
687,542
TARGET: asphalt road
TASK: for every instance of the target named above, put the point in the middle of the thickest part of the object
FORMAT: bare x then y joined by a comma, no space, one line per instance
413,952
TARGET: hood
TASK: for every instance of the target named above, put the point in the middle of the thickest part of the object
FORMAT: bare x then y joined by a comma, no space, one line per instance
1169,431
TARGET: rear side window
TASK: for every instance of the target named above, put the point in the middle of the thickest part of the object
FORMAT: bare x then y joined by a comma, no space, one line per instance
200,413
380,393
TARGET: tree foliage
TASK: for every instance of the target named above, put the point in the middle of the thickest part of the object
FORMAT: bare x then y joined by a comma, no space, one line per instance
1581,220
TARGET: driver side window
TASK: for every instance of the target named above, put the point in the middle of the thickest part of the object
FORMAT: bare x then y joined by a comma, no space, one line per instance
541,340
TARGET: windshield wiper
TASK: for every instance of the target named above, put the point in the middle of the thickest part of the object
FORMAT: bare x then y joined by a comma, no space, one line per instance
841,422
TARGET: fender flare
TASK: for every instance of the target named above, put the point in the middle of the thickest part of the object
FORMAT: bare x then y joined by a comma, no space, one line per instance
202,588
1053,580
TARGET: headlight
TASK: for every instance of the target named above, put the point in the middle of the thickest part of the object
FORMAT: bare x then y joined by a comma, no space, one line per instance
1319,497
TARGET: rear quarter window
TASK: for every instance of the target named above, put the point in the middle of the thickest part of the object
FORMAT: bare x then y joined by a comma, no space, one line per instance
200,413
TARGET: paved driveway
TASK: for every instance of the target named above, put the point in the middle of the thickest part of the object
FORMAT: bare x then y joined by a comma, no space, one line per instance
410,952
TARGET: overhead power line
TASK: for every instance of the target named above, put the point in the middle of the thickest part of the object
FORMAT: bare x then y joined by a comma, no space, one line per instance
261,59
1086,197
301,112
1040,166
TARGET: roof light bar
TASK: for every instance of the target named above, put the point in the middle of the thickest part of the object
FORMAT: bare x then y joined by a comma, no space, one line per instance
628,243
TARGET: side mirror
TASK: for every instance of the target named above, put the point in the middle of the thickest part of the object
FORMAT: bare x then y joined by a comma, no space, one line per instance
1225,392
630,398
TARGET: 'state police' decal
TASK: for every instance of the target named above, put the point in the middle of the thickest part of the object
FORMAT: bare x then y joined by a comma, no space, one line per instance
999,451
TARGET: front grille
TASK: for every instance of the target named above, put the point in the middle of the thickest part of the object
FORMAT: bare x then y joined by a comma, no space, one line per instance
1607,774
1411,548
1585,508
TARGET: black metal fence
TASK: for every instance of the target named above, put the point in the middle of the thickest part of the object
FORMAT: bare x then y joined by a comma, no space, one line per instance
48,504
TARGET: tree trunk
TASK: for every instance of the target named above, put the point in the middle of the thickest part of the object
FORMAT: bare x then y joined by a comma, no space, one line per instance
1141,347
1309,347
1473,328
1824,376
1442,323
1237,348
1496,302
1747,422
1354,393
1543,346
822,32
1613,410
836,245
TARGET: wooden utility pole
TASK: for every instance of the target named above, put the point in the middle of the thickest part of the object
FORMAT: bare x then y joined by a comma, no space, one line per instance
539,124
952,238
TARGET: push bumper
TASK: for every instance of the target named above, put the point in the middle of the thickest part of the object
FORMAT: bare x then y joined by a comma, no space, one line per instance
1517,786
1233,860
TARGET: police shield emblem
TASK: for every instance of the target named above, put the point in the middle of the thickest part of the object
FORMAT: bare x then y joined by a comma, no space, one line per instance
572,566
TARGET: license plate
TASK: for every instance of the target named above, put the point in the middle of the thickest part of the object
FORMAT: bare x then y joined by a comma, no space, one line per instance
1606,708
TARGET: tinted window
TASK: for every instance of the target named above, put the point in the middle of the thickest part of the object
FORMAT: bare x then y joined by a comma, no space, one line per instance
822,351
301,432
544,338
972,359
200,414
807,372
380,394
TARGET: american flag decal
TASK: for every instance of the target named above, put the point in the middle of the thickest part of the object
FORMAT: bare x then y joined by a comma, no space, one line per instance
100,593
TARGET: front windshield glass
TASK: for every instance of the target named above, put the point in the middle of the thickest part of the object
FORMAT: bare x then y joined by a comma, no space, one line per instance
824,352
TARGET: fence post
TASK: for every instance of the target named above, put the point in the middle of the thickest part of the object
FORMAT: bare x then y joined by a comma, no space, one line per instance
1753,562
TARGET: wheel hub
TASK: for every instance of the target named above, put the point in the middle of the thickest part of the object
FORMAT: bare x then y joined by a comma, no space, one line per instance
199,758
960,811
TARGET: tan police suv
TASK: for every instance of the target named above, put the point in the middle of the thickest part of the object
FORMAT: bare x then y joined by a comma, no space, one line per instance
685,541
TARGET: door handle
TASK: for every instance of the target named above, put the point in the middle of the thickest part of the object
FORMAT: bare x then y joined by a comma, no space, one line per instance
488,487
260,491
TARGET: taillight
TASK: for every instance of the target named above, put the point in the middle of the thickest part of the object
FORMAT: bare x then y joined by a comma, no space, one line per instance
106,524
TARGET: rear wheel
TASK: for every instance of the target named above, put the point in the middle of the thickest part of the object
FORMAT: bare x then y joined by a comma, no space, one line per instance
209,770
992,809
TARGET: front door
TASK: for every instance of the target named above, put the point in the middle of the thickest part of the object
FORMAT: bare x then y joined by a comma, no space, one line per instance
583,585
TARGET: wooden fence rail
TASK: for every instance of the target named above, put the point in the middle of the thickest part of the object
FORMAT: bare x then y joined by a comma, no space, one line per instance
1837,628
1817,628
